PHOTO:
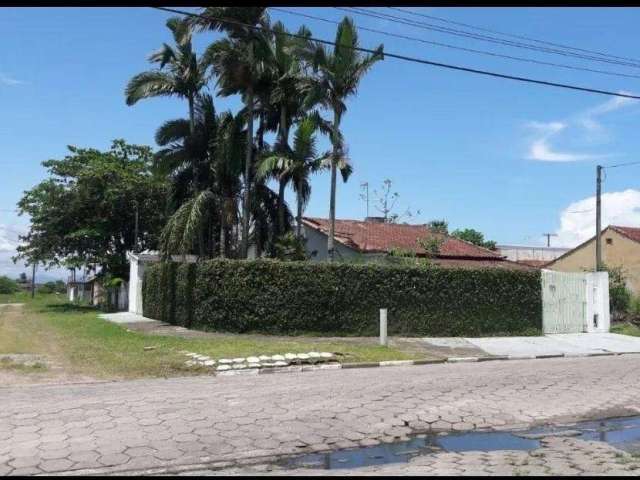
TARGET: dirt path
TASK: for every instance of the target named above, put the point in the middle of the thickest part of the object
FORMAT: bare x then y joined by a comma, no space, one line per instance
29,353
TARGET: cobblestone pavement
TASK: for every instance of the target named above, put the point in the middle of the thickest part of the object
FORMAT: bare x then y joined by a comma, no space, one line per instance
205,421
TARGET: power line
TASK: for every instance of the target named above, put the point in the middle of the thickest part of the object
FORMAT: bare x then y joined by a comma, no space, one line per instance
621,165
455,47
486,38
521,37
413,59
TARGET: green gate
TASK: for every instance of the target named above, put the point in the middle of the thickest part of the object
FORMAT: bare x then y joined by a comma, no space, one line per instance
564,302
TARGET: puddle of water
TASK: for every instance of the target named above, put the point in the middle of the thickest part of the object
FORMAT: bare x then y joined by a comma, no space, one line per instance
622,433
400,452
485,442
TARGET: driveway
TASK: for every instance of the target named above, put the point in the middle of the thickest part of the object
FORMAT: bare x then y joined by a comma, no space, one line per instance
559,344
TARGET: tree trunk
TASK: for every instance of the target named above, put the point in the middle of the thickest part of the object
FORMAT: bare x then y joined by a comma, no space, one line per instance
284,139
332,197
247,163
281,188
299,213
223,232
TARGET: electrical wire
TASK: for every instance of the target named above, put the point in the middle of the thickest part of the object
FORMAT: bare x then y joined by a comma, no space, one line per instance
414,59
464,49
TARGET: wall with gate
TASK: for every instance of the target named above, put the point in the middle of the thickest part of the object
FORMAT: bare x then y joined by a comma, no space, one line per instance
575,302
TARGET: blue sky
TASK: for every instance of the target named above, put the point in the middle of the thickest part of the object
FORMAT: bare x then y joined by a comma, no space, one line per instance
510,159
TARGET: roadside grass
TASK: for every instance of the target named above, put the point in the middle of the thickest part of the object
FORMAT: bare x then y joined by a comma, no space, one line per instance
7,364
88,345
626,329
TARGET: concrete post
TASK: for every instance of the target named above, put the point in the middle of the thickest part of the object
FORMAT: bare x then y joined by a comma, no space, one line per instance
383,326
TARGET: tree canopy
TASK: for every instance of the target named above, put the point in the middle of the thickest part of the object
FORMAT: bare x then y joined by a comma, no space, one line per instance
474,236
85,212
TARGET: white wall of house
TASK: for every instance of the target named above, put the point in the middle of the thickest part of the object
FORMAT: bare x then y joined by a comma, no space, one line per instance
316,246
523,252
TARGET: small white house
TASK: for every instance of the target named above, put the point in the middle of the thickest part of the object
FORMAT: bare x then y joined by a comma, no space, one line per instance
137,265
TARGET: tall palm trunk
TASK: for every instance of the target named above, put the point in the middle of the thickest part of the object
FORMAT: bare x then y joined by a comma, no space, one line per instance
282,185
299,212
247,164
284,139
332,197
223,230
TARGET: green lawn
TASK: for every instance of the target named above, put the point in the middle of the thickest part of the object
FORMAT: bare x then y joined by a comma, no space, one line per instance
626,329
88,345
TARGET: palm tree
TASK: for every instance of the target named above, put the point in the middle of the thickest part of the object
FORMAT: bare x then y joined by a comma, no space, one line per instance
180,72
285,68
216,146
237,62
339,73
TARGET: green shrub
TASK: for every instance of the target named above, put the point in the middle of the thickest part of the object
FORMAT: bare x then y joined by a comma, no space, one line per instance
53,287
152,292
8,286
321,298
619,295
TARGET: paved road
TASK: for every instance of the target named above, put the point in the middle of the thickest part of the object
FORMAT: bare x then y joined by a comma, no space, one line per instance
208,421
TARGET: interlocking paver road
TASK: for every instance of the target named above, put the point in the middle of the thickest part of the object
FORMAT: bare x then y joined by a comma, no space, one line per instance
145,424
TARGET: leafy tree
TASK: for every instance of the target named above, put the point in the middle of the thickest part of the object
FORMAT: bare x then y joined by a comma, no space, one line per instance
83,214
338,74
53,287
439,226
474,236
8,285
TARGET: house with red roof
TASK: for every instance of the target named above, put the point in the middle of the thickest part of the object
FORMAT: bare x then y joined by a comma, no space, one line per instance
620,248
373,238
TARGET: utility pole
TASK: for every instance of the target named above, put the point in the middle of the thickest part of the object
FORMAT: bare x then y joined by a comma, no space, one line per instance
549,235
33,279
598,218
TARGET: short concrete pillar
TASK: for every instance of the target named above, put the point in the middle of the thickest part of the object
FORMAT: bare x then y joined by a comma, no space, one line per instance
383,326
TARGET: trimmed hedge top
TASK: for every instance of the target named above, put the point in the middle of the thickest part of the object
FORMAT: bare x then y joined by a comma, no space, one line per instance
294,298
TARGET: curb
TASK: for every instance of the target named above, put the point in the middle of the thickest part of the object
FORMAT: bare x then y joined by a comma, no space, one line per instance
405,363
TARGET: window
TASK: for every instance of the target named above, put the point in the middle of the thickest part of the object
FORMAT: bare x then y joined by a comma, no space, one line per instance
609,241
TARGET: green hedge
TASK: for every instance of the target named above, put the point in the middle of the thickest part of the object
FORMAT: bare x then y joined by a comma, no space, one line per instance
321,298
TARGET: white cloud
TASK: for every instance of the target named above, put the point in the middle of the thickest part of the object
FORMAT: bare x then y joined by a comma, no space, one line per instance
578,220
584,126
8,243
9,80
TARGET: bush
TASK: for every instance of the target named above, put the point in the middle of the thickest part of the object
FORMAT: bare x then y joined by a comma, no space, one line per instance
306,297
8,286
53,287
619,295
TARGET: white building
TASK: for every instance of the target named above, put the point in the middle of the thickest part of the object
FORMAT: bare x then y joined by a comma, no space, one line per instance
531,255
137,265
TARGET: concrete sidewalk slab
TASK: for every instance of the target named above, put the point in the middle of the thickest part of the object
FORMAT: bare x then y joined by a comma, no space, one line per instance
126,317
535,346
608,342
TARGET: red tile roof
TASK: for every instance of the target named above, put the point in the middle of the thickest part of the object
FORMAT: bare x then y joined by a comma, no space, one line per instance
632,233
375,237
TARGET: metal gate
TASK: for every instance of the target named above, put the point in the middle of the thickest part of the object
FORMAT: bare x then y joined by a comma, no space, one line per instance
564,302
